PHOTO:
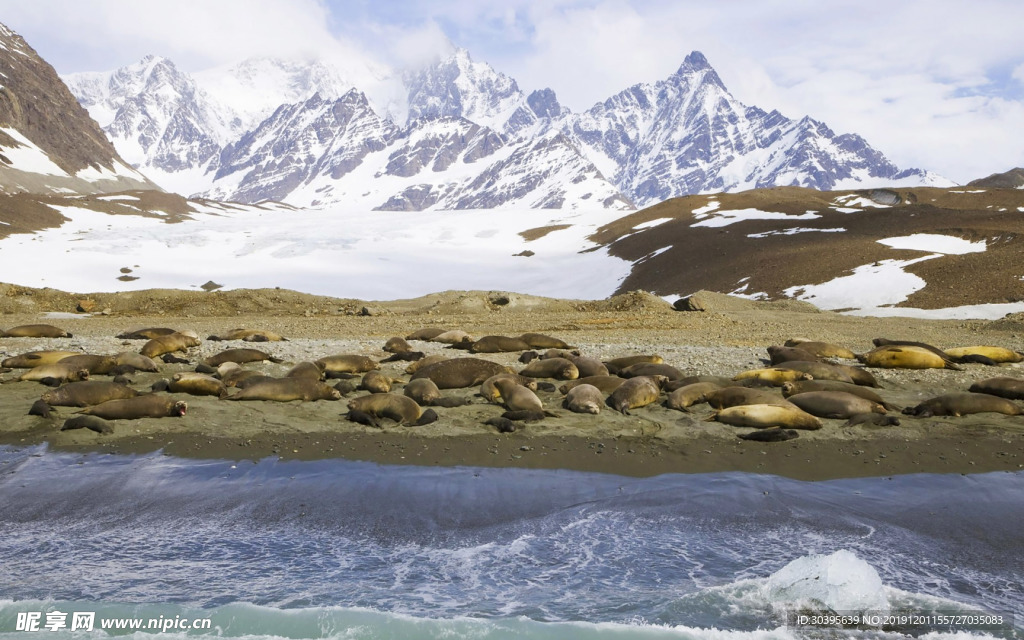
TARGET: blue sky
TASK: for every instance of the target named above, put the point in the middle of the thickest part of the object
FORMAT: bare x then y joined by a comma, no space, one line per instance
937,84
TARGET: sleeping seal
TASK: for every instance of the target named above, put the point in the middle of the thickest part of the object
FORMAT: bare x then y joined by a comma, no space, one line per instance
584,398
87,393
962,404
636,392
401,409
286,390
145,406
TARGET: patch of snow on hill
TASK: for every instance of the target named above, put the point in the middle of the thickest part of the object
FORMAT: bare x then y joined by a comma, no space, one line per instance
725,218
935,243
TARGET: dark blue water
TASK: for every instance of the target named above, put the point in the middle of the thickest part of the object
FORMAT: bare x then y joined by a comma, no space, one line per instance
350,549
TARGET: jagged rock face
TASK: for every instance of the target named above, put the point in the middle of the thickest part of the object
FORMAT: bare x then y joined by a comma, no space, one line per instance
49,141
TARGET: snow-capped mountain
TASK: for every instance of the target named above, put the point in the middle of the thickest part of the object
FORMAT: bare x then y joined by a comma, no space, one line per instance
460,134
48,143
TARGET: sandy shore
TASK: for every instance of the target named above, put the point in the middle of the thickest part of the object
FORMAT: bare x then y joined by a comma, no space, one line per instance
729,337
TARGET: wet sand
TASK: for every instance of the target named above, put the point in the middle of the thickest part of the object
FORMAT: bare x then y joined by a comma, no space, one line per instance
652,441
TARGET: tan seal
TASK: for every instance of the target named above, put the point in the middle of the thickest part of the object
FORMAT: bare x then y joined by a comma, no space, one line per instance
962,404
59,372
197,384
97,365
401,409
455,336
287,390
347,363
36,331
152,405
817,370
836,405
737,396
490,392
422,390
774,375
821,349
425,362
136,361
804,386
606,384
307,370
636,392
584,398
459,373
685,397
616,364
999,355
498,344
763,416
87,393
904,357
32,359
778,355
558,368
376,382
239,356
147,333
587,366
516,397
651,369
248,335
542,341
396,344
177,341
427,333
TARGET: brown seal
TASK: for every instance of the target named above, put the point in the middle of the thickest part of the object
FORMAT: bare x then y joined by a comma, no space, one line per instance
346,363
776,376
92,423
778,355
1012,388
651,369
490,391
584,398
498,344
97,365
636,392
455,336
36,331
558,368
396,344
771,434
239,356
248,335
197,384
425,362
606,384
136,361
616,364
376,382
235,376
962,404
32,359
737,396
151,405
58,371
422,390
587,366
516,397
685,397
762,416
817,370
905,357
177,341
541,341
87,393
145,334
822,349
803,386
307,370
837,405
999,355
401,409
286,390
427,333
874,419
459,373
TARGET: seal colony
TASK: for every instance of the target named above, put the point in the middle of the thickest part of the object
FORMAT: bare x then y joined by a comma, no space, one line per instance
793,389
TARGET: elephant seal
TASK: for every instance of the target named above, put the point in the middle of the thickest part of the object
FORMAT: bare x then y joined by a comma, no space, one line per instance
503,425
527,357
586,366
817,370
425,362
636,392
568,354
541,341
40,408
37,331
558,368
97,365
136,361
651,369
859,375
962,404
396,345
771,434
239,356
422,390
405,356
735,396
307,370
455,336
31,359
197,384
803,386
92,423
346,364
498,344
1011,388
906,357
401,409
376,382
59,372
721,381
999,355
584,398
177,341
145,334
834,404
286,390
516,397
87,393
761,416
426,334
248,335
821,349
238,376
778,355
876,419
527,415
776,376
617,364
459,373
490,391
684,397
606,384
151,405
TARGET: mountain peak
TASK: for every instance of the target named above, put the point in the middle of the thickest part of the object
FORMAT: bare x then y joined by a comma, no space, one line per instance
696,61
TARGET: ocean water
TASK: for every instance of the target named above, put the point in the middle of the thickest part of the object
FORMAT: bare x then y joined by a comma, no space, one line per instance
341,549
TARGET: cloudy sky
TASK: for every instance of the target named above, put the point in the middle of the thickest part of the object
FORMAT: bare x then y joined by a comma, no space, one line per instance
937,84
